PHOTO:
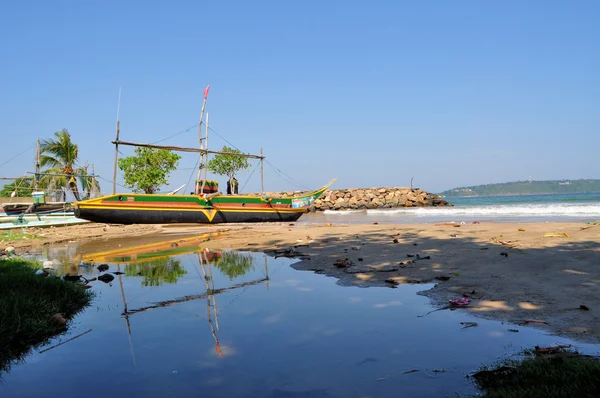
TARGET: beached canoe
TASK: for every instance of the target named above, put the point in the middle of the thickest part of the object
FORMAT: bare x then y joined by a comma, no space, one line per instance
204,209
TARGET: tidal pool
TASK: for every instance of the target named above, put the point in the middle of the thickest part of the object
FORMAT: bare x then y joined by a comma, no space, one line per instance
183,321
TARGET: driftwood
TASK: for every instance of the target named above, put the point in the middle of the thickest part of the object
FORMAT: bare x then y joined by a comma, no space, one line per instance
192,297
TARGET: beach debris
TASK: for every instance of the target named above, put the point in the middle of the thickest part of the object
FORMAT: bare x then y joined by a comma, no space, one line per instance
527,321
375,223
72,278
556,235
117,273
10,250
454,235
584,307
442,278
550,350
475,222
447,224
360,259
507,243
521,229
414,244
505,254
384,377
48,264
106,278
484,248
456,273
343,263
513,330
461,302
410,371
42,273
395,240
287,252
59,319
102,267
355,247
502,370
410,255
468,325
442,370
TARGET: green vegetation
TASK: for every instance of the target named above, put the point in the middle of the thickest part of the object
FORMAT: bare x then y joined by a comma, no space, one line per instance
564,374
234,264
527,188
15,236
148,169
157,272
60,155
228,165
22,187
28,305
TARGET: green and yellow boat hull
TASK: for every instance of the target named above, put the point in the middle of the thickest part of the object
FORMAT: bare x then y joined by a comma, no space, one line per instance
203,209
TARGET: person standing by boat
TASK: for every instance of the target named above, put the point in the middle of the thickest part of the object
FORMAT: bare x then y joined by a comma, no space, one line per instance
232,186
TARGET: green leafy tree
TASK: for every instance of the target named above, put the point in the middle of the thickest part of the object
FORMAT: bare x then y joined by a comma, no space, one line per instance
157,272
21,186
60,155
235,264
228,165
148,169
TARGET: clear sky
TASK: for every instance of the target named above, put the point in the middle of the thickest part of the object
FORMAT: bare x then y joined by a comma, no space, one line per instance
451,93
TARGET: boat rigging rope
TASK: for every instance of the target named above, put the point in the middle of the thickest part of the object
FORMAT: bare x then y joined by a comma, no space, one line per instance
290,179
192,174
250,176
17,155
178,133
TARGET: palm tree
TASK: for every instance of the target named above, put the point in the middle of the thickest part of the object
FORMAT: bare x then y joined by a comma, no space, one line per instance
61,155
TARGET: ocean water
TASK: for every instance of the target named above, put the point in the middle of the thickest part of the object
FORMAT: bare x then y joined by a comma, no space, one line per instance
514,208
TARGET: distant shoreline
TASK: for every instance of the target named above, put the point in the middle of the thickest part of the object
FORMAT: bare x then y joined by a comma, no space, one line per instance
517,194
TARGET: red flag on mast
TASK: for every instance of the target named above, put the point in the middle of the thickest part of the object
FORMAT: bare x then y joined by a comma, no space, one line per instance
206,91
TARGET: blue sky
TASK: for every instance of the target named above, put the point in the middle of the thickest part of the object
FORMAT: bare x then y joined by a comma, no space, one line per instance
374,93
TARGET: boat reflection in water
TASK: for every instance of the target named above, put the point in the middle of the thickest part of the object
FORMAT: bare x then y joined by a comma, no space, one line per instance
156,264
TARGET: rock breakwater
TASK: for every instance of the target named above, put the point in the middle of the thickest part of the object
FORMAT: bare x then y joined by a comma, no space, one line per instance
372,198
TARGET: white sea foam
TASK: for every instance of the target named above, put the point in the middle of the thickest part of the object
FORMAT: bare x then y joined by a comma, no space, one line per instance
342,212
532,210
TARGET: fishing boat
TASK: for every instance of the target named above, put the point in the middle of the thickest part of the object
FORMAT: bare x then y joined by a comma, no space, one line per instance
209,209
205,205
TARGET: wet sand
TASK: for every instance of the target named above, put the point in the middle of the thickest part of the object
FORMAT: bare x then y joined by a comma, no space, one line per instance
545,279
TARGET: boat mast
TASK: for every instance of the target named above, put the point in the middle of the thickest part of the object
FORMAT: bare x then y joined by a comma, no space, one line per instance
37,166
200,140
262,172
205,154
116,146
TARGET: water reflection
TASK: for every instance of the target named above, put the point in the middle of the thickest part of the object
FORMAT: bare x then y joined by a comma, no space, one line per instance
157,272
230,327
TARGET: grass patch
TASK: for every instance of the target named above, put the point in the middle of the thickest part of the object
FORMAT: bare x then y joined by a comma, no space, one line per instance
28,303
16,236
562,374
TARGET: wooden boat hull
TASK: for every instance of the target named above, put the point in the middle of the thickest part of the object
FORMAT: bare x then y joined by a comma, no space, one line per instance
158,216
208,209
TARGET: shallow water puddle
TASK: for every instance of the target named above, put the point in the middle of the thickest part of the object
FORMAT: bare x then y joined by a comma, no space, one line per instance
263,330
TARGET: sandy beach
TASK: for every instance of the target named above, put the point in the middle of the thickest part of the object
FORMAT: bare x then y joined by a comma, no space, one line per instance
545,275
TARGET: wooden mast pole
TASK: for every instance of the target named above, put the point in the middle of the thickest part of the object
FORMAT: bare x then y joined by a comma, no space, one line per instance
262,172
200,139
37,166
205,169
116,146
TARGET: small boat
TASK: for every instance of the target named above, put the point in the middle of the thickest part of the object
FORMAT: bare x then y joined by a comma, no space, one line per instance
203,208
43,223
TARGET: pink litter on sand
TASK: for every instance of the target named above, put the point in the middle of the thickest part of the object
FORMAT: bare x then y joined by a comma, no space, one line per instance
460,302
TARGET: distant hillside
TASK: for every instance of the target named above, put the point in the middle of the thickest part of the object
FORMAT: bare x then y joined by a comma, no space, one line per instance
526,188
